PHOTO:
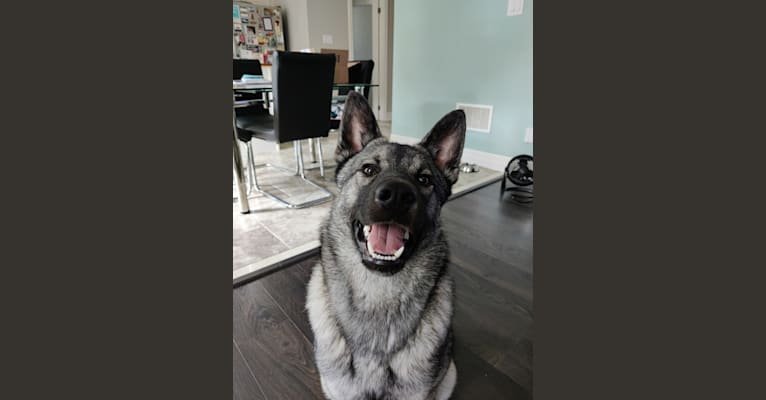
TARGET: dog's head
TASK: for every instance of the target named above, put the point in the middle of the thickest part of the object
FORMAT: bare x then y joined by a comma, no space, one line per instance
393,193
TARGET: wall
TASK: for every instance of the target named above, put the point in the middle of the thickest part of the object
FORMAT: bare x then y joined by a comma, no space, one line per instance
328,17
450,51
390,50
295,13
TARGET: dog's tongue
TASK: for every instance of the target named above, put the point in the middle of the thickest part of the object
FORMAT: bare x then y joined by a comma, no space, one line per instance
386,238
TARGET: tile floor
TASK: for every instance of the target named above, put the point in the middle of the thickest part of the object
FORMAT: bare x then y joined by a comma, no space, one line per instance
271,232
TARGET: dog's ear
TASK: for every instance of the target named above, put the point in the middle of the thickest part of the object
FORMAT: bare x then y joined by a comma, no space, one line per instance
445,143
358,128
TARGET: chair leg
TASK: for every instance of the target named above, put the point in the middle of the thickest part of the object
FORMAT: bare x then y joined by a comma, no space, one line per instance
321,157
312,151
321,163
297,167
251,167
299,158
300,172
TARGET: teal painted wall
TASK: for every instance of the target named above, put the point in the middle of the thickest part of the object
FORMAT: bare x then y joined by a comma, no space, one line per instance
450,51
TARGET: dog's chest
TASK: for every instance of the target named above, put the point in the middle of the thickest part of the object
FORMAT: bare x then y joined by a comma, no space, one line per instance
380,328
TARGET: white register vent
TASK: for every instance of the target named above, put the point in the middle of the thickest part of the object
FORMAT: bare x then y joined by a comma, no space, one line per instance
478,116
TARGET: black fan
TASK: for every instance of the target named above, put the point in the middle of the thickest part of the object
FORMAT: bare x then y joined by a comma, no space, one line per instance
519,172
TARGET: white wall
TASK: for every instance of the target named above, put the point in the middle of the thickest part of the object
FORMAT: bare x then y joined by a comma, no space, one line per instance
295,13
328,17
307,20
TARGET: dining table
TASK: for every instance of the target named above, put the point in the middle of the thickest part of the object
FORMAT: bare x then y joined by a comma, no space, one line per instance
264,87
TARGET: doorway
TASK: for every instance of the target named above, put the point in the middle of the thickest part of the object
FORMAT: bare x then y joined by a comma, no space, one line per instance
370,32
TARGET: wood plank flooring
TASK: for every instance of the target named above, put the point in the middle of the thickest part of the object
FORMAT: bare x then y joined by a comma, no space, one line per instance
491,261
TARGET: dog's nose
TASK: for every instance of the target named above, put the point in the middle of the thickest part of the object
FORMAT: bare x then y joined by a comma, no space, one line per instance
395,195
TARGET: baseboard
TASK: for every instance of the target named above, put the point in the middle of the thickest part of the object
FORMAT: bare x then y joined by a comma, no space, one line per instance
478,157
484,159
403,139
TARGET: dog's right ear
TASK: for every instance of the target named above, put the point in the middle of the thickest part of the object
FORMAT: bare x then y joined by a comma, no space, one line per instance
358,128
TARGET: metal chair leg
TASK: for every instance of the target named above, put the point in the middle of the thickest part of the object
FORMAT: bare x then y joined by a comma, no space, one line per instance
321,164
299,159
297,167
251,167
300,173
312,151
321,157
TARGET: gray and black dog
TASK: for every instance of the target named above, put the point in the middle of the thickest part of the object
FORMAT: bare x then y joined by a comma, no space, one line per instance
380,298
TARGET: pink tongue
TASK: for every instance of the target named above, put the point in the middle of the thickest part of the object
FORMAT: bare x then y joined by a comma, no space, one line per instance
386,238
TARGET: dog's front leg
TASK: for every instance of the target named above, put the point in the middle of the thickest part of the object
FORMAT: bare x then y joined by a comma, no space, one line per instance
414,363
333,355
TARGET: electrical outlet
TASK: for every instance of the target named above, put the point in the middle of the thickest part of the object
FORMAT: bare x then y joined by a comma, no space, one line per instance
528,135
326,39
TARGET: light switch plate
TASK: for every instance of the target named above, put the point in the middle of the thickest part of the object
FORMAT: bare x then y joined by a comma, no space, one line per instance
528,135
327,39
515,7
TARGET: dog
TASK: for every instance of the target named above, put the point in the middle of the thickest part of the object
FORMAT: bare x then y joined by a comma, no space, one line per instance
379,300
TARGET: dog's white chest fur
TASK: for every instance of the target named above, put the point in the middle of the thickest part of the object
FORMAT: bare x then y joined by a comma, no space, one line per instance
374,361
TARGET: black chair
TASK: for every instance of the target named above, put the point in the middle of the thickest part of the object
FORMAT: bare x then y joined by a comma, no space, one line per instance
302,90
249,103
361,72
250,67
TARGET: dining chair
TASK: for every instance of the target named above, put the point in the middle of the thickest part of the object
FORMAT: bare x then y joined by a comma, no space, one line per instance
251,104
302,91
249,67
360,72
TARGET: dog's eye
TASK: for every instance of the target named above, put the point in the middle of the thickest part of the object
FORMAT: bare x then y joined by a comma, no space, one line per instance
369,169
424,180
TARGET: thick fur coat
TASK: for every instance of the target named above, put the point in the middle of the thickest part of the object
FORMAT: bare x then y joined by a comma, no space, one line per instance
382,320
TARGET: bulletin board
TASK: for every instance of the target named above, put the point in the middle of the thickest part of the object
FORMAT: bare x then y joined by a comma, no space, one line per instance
258,31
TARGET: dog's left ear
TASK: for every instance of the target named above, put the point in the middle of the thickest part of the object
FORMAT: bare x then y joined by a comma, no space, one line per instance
445,143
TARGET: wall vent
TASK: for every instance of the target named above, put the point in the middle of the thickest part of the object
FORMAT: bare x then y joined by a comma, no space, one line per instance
478,116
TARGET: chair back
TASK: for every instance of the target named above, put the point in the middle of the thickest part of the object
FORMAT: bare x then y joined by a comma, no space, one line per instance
302,87
361,72
250,67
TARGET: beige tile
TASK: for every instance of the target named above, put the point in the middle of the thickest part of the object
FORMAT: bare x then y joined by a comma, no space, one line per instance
255,244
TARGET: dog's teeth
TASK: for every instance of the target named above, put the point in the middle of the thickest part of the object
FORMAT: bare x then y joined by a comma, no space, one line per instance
366,230
399,252
370,250
406,234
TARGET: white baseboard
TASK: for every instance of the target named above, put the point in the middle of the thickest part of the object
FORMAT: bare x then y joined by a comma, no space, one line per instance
386,116
478,157
403,139
484,159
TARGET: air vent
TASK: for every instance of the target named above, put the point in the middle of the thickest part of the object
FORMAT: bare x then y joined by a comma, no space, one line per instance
478,116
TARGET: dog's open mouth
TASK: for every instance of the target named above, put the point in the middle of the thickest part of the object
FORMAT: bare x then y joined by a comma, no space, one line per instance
384,246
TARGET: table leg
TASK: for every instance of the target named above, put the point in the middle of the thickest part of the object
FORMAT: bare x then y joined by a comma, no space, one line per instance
244,206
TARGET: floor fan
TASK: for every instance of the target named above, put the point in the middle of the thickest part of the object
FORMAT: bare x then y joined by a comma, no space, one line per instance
519,172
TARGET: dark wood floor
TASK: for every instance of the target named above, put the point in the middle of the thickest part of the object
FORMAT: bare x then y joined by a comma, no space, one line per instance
491,261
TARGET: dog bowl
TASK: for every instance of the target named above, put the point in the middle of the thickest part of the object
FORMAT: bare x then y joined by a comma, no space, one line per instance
469,168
